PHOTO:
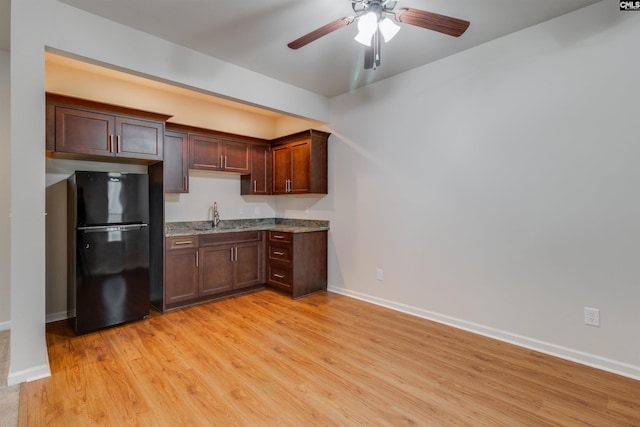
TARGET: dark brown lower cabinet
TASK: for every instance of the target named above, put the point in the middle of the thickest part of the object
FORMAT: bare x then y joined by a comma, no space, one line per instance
203,267
225,267
297,262
199,268
181,270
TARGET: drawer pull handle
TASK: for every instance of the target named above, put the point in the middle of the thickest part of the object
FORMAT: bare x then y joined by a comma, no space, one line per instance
278,253
279,276
275,236
183,242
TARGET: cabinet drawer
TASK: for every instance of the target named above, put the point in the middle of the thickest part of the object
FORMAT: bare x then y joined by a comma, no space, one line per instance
233,237
182,242
280,253
280,276
278,236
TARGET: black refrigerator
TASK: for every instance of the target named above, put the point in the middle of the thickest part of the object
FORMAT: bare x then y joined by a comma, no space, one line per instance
108,243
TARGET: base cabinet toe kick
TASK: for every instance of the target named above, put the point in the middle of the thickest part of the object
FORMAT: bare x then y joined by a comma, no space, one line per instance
204,267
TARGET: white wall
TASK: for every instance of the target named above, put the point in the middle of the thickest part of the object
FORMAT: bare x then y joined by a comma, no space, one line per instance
5,195
498,189
28,347
205,188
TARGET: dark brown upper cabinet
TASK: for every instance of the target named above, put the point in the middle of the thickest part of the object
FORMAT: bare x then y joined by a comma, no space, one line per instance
89,128
212,152
176,162
299,163
258,182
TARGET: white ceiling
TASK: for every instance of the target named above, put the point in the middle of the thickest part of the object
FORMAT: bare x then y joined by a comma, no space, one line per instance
254,34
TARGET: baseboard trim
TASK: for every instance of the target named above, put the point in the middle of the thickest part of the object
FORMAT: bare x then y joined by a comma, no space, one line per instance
5,326
598,362
27,375
54,317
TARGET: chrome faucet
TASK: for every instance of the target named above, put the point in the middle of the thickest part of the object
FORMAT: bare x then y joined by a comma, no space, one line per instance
216,215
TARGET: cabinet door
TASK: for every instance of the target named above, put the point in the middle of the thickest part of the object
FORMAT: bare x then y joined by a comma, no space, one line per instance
181,275
139,139
176,162
260,169
259,179
281,169
84,132
204,152
236,156
216,269
300,167
248,264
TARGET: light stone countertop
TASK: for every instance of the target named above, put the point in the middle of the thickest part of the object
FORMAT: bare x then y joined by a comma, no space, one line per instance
190,228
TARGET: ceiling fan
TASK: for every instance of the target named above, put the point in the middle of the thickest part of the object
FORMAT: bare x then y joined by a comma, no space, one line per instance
378,20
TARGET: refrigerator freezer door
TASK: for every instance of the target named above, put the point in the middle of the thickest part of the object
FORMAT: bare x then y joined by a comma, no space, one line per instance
112,276
111,198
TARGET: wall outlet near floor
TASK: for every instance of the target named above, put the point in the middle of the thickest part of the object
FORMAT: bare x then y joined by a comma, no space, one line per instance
379,274
591,316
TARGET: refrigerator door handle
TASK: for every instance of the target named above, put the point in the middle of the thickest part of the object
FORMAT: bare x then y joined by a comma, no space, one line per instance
101,228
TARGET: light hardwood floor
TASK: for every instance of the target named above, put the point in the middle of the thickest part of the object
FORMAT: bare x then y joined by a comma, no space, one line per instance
264,359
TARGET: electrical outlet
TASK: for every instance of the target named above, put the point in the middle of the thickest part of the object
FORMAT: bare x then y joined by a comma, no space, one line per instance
379,274
256,211
591,316
241,211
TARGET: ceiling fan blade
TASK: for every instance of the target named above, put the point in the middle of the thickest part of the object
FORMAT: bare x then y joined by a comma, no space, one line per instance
433,21
322,31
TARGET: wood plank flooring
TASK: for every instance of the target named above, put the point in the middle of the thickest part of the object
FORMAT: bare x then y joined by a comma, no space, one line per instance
263,359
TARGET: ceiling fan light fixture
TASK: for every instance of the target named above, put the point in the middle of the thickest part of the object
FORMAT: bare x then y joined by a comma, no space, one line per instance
389,29
378,21
367,25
